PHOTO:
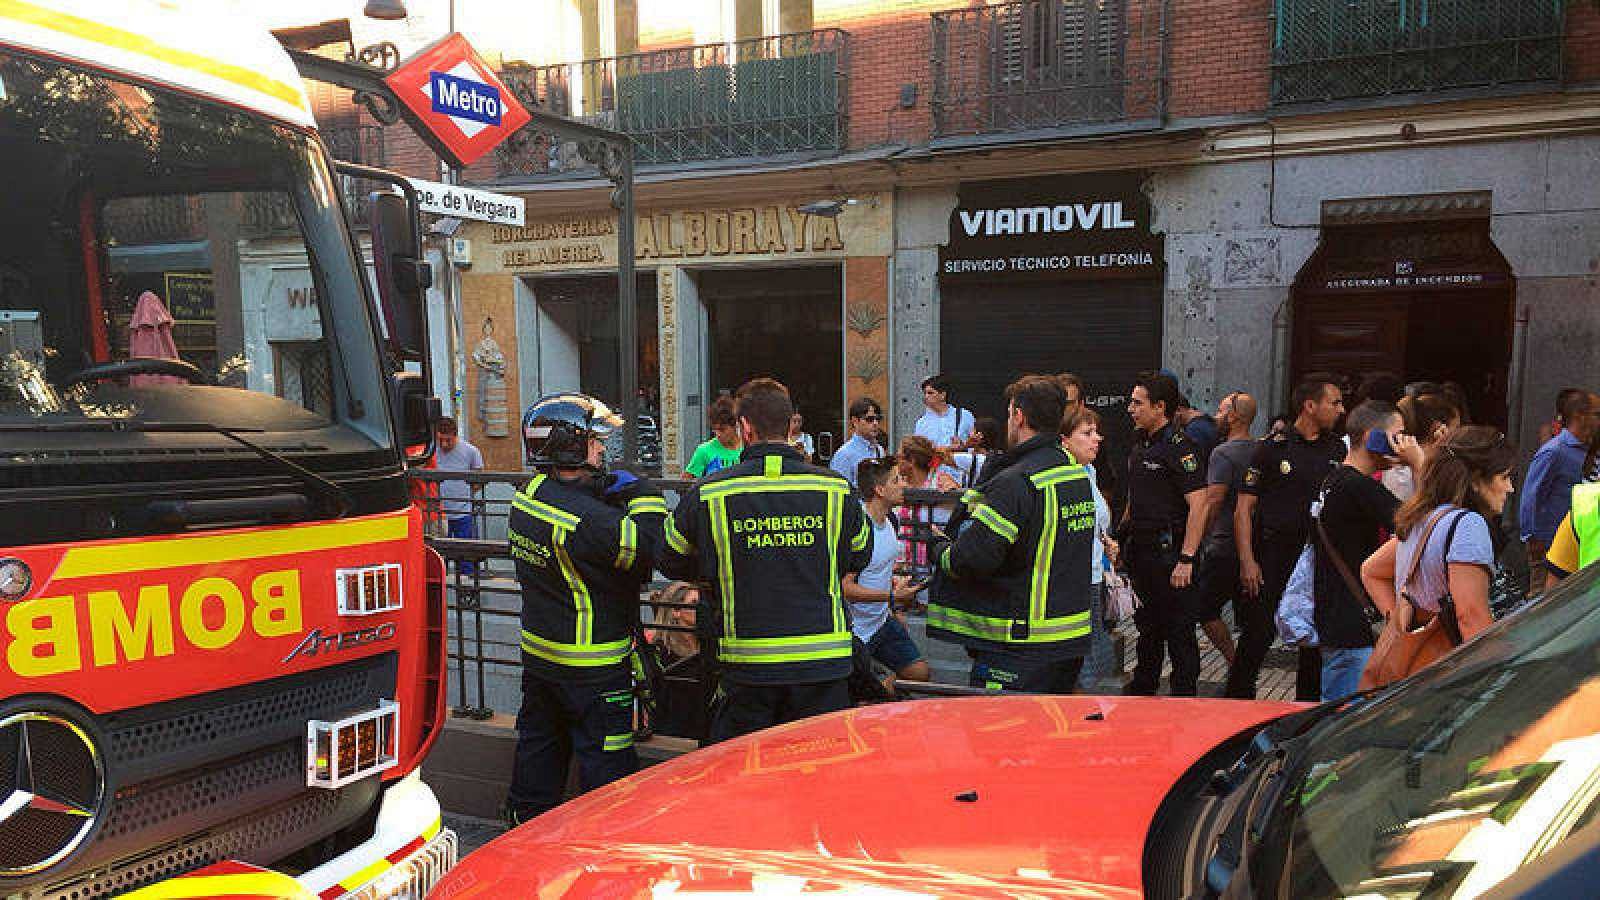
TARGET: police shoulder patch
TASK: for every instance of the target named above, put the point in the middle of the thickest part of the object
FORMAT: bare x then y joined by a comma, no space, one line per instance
1252,476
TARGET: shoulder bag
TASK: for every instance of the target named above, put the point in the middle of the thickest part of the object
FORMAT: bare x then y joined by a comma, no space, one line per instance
1351,582
1403,647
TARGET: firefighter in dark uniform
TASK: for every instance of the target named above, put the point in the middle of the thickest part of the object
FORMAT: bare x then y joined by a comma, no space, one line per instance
1013,586
1162,529
1272,522
771,537
584,542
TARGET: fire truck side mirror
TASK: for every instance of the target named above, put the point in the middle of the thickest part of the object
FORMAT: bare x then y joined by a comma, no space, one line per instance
416,413
403,276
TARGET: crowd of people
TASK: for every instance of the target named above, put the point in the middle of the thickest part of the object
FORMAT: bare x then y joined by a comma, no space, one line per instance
1369,535
1218,517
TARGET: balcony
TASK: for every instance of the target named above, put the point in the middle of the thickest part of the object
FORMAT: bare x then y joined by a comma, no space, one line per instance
1326,50
1047,64
762,97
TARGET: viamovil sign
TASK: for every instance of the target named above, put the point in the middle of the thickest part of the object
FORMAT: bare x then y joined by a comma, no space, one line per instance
1060,227
454,94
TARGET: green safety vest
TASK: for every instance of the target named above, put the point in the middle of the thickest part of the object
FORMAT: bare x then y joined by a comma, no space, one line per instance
1586,522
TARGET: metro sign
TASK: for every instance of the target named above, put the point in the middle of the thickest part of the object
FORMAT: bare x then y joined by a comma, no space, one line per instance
451,92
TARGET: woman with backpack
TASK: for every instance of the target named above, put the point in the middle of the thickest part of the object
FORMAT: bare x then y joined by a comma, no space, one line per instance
1433,580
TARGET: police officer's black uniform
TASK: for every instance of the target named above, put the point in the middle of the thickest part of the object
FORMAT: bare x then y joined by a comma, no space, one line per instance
1162,470
772,536
1014,586
583,548
1284,475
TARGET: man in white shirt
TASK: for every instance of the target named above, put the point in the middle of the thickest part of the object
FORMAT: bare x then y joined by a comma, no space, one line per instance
946,425
866,423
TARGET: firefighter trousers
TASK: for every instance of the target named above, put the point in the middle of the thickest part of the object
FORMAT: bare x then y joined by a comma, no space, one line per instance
558,719
744,708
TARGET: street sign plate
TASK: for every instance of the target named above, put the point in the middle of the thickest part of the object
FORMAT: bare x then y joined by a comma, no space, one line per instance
454,94
468,203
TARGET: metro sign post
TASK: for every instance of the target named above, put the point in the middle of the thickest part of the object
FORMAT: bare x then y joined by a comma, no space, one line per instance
453,93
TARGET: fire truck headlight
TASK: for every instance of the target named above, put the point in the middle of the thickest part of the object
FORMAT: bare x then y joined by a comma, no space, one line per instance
15,579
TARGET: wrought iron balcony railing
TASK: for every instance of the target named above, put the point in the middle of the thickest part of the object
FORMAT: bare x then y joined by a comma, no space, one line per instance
1325,50
773,95
1039,64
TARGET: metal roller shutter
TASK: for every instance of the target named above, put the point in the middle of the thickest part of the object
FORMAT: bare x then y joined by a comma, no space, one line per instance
1105,332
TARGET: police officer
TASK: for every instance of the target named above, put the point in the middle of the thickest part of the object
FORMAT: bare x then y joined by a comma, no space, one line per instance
771,536
1013,588
1162,529
1272,521
584,542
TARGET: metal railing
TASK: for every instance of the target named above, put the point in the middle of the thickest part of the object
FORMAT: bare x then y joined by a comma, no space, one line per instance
1325,50
1037,64
759,97
485,603
485,607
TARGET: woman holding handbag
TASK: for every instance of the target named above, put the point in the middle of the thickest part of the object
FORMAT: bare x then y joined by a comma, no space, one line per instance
1431,581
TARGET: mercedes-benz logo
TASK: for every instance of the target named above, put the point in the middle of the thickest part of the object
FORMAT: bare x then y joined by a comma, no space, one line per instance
52,786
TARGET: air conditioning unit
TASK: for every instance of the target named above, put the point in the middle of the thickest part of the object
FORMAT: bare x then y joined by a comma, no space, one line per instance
461,252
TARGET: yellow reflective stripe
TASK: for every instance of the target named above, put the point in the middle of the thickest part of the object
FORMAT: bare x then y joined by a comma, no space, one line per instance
546,513
617,742
863,536
835,529
359,878
997,523
772,467
241,884
432,831
643,506
628,545
676,540
972,497
799,648
576,654
1058,474
531,486
580,591
1044,555
143,45
724,548
944,561
1063,628
145,554
757,484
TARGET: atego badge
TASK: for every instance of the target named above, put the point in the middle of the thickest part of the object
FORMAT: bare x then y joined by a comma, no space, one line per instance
457,99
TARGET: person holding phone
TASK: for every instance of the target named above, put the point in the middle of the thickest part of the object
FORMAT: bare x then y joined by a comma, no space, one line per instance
1355,513
877,595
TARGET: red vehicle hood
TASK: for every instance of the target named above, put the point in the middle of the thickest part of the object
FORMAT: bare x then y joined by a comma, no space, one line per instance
972,797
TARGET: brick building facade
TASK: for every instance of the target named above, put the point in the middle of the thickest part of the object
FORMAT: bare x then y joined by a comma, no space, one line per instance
1317,177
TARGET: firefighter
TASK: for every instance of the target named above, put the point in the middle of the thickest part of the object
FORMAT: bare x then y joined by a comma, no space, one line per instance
771,536
584,542
1013,588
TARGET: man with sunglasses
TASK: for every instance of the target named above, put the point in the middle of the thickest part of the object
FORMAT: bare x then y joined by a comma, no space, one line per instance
866,423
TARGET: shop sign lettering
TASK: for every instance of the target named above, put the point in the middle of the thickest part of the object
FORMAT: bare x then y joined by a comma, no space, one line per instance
1059,227
767,231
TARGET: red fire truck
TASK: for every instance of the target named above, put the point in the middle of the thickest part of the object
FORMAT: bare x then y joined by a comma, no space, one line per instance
221,637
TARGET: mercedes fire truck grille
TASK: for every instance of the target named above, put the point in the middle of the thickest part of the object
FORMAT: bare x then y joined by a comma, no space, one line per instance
218,776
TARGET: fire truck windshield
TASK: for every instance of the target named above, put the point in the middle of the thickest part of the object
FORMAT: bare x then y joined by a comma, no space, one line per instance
168,259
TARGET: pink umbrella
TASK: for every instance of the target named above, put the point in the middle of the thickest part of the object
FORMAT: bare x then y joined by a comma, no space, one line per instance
150,337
